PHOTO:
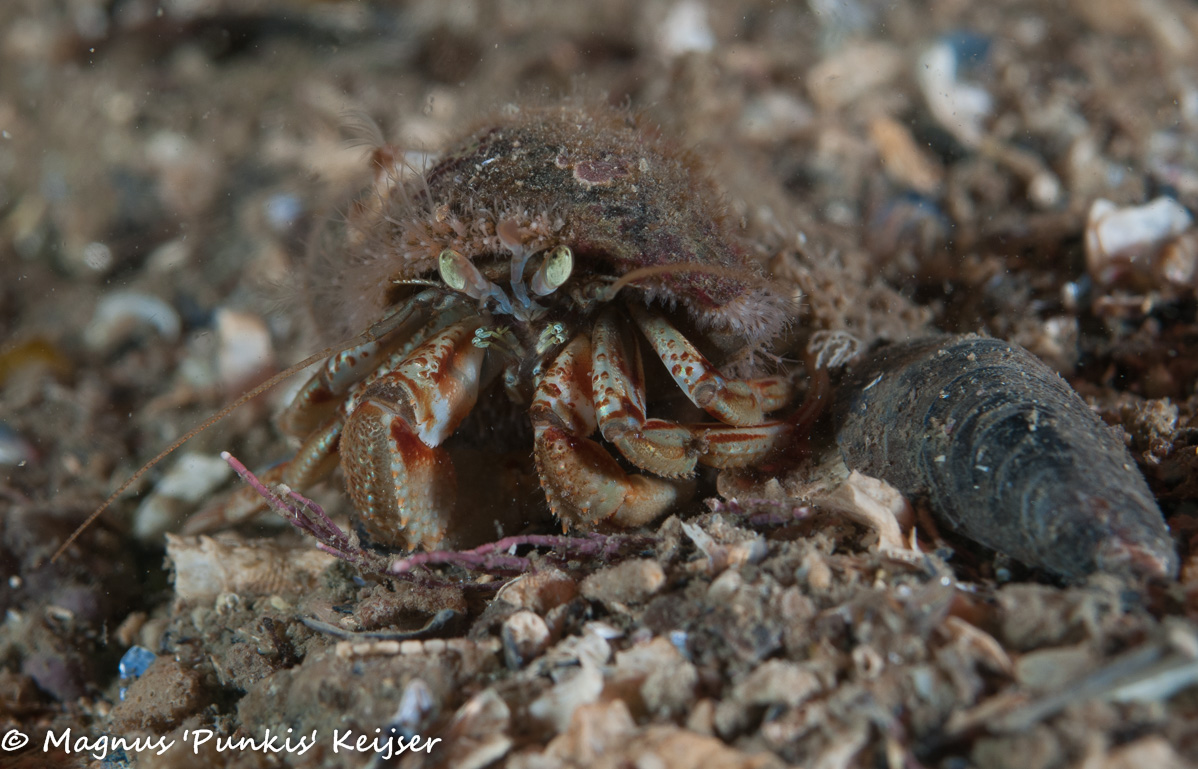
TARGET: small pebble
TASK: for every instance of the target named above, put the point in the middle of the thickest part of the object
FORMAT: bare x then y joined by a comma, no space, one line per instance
903,159
170,256
190,480
133,663
539,592
98,257
853,72
625,583
685,30
282,212
525,636
15,451
160,698
1178,263
775,115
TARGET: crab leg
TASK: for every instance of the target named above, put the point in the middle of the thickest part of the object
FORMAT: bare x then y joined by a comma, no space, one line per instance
315,459
400,482
321,395
726,446
662,447
583,483
740,402
618,383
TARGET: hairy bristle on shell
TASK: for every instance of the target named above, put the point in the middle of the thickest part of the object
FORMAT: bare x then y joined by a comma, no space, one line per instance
589,177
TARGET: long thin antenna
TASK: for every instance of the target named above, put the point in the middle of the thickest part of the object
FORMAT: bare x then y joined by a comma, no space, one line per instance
248,396
642,273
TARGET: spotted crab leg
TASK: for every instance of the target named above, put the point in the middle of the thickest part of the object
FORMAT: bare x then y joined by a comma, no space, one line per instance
660,446
583,483
400,482
323,394
618,385
741,402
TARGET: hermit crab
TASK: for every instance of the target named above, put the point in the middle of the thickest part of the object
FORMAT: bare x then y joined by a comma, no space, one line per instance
537,258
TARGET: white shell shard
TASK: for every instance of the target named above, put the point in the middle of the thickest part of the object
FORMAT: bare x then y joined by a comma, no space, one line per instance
120,314
961,108
1121,240
245,350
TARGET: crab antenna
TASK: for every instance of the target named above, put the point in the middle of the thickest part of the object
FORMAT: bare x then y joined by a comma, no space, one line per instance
673,269
248,396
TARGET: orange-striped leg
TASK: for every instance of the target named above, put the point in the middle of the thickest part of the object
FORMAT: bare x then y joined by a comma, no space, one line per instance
389,341
583,483
732,401
618,384
728,446
401,484
660,446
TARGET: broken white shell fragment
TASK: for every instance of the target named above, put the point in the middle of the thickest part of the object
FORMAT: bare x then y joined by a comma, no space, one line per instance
961,108
245,348
120,314
686,30
556,706
207,567
870,502
192,478
477,736
1120,241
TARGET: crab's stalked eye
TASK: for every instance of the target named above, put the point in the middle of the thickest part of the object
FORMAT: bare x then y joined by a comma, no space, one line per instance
453,268
460,274
553,272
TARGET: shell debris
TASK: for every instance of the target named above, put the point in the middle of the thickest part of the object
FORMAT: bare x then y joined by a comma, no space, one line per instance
119,316
208,567
1125,244
961,108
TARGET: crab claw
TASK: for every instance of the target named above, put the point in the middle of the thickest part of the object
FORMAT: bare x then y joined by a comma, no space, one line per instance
401,484
585,485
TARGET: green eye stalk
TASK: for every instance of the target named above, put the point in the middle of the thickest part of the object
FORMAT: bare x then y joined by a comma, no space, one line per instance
553,272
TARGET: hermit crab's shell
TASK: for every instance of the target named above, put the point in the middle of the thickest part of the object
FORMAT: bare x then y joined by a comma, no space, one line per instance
591,178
